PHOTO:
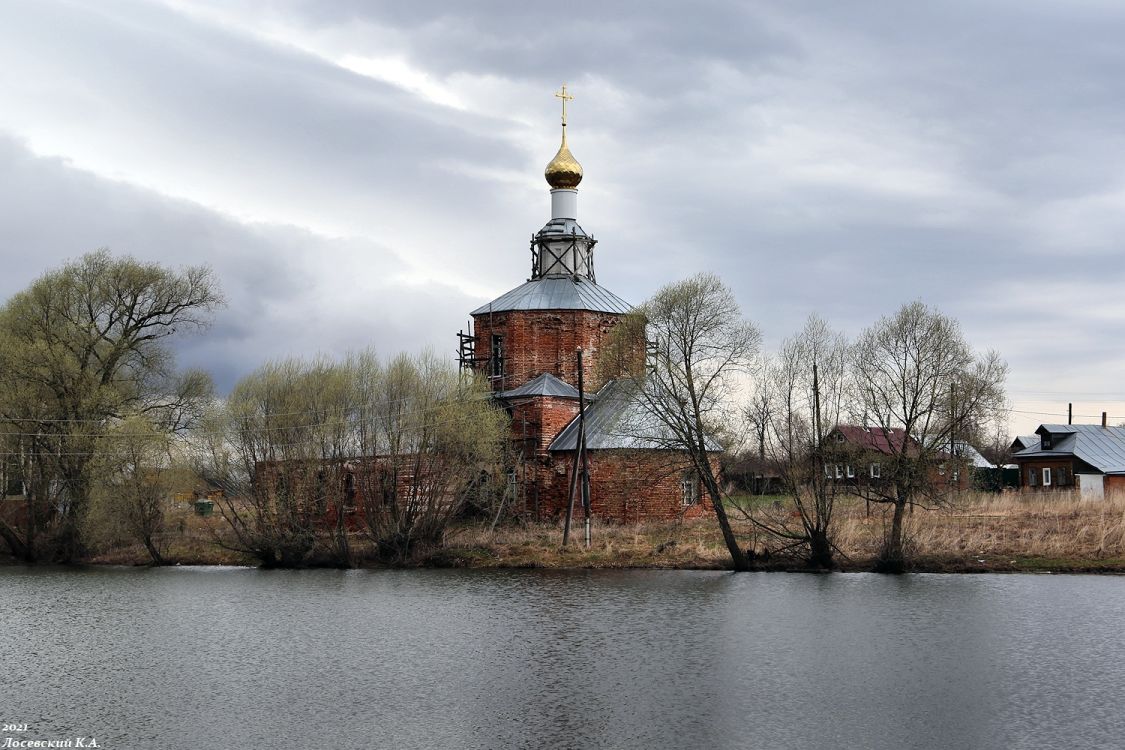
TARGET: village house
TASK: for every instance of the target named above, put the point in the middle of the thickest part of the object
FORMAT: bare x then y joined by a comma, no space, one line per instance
859,456
1065,457
532,342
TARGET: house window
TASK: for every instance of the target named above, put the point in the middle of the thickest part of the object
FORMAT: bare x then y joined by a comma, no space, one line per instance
1045,442
828,470
876,471
851,472
1032,478
839,437
956,474
839,471
689,489
1047,477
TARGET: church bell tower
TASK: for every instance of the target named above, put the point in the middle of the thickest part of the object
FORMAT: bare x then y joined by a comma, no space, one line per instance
537,328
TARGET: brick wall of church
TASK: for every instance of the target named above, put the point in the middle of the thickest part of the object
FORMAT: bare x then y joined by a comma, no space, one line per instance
625,486
536,422
538,341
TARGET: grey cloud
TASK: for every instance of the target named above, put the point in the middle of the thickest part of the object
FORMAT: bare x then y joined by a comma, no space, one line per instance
842,158
290,292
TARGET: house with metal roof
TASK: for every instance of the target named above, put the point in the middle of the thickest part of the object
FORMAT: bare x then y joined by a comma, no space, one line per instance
1066,457
538,344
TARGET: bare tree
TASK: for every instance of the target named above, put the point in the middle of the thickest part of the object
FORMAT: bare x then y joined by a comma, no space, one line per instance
915,373
699,350
807,386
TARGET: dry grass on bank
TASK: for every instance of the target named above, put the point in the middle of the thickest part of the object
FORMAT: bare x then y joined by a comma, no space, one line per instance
1006,531
977,532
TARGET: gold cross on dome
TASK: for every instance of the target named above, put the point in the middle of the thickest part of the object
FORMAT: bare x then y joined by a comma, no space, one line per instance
561,94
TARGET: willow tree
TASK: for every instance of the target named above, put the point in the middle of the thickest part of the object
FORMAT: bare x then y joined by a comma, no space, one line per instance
312,453
437,442
81,348
688,350
914,372
134,478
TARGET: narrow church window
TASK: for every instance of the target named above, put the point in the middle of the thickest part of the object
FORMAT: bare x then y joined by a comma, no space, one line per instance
497,362
689,489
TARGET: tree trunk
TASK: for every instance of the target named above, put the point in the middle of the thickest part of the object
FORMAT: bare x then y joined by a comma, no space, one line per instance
820,550
153,552
737,556
891,559
20,549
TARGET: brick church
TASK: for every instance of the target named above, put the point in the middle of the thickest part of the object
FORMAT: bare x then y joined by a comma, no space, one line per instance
527,343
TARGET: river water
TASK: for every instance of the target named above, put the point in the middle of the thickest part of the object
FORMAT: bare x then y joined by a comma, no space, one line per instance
241,658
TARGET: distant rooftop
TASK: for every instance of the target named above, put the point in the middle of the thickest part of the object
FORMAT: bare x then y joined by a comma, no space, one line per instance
1101,447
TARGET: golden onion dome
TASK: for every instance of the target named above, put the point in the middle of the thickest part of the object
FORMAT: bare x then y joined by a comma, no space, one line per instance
563,171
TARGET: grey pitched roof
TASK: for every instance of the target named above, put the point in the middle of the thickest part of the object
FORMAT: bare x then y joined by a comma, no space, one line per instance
619,419
964,450
557,293
1023,442
543,385
1101,447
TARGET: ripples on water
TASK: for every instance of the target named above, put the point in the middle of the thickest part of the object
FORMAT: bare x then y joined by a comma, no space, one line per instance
226,658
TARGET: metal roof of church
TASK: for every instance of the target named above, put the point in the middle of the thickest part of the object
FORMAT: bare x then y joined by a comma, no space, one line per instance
543,385
618,418
557,293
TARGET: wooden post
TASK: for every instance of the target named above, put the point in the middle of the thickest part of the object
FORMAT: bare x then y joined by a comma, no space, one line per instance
570,494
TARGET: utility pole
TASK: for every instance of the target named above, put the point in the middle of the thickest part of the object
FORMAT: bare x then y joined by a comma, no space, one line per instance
954,466
581,466
582,448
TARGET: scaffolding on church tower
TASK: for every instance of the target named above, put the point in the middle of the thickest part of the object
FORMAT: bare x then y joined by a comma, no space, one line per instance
467,349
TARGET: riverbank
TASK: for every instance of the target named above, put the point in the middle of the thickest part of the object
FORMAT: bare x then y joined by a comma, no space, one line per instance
977,534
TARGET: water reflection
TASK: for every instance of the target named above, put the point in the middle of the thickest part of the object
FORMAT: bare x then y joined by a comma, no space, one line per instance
207,658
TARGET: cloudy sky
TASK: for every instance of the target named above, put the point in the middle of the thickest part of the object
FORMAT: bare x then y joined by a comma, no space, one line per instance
365,173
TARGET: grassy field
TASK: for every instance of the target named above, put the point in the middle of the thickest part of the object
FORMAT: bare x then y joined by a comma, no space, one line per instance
977,532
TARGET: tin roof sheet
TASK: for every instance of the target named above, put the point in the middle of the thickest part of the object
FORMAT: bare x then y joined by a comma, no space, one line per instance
618,418
543,385
1101,447
557,293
